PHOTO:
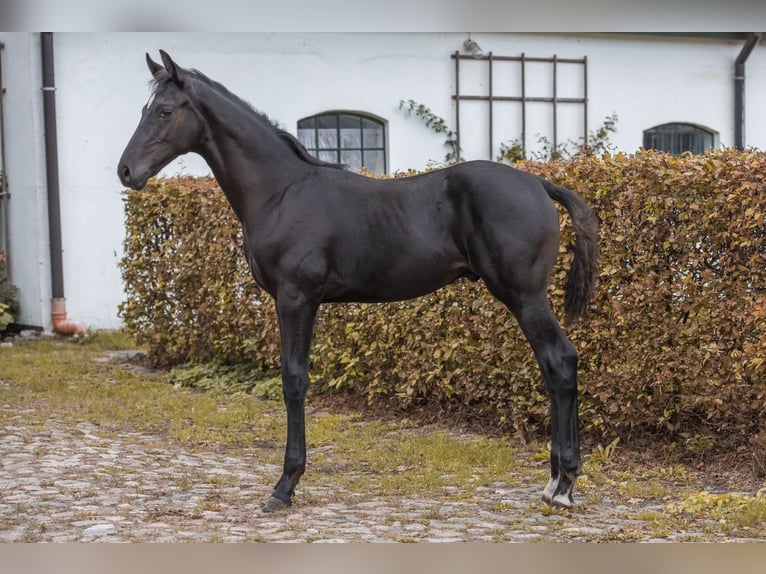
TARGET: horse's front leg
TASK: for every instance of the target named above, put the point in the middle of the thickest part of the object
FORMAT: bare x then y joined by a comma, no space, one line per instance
296,322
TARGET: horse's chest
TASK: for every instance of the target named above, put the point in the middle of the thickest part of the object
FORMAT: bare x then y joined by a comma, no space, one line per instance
258,272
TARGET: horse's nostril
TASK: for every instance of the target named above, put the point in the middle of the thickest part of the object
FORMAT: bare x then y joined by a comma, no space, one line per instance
125,173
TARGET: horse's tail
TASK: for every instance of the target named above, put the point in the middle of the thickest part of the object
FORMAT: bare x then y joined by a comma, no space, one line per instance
581,279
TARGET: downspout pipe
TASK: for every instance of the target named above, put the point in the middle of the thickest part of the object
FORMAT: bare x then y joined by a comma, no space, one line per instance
739,88
58,303
4,194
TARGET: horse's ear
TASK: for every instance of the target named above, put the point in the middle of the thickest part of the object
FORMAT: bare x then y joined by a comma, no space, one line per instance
154,67
173,69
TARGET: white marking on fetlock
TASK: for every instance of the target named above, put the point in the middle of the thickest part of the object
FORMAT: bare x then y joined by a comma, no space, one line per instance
562,500
550,489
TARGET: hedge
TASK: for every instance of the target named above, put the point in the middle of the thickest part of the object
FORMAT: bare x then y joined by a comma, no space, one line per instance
673,344
190,296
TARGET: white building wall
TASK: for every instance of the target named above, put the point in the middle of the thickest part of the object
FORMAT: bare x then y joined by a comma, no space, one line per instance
29,254
102,83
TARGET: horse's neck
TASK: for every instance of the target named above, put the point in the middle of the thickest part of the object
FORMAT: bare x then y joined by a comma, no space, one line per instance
245,159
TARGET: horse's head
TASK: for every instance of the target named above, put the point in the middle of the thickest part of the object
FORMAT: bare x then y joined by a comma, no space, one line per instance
169,126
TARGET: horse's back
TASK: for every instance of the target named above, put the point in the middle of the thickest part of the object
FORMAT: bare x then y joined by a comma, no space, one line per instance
443,211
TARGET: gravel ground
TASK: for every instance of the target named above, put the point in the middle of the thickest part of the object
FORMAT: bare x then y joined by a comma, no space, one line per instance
63,484
67,482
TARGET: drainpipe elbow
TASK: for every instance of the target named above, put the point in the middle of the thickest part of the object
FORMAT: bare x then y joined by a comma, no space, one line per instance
61,324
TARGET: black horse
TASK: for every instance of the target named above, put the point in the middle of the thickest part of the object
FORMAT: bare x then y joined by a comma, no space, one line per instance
315,232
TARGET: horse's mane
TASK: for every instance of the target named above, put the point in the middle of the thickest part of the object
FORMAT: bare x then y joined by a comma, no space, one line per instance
302,152
292,142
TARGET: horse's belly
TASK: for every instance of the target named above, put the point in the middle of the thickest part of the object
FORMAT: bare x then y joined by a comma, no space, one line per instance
396,281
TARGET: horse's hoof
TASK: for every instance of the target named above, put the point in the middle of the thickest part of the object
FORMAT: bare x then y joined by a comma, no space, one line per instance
561,501
274,504
558,501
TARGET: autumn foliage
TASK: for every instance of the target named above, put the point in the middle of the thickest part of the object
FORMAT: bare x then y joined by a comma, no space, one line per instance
674,343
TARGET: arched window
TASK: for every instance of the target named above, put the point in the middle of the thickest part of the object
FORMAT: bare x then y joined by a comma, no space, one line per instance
676,138
357,140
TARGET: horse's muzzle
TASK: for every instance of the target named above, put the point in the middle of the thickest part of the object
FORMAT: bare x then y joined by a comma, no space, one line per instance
127,179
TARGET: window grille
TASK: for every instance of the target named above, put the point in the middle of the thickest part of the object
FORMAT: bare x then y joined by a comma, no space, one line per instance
677,138
357,140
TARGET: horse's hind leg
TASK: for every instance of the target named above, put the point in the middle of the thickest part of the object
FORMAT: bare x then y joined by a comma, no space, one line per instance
557,359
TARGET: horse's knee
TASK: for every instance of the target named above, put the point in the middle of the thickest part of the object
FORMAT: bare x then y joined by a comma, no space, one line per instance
294,386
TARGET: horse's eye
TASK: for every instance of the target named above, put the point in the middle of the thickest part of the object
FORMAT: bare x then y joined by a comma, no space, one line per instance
165,113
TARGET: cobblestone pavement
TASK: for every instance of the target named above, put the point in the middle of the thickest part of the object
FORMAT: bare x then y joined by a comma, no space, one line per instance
64,484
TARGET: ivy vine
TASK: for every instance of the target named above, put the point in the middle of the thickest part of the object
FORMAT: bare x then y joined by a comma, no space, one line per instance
436,123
